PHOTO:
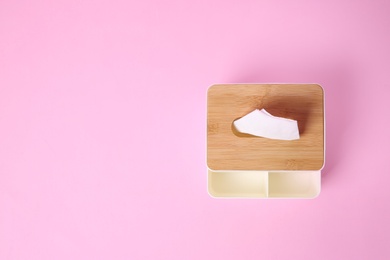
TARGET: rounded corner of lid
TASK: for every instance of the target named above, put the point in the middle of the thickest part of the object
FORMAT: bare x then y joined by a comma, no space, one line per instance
212,87
320,87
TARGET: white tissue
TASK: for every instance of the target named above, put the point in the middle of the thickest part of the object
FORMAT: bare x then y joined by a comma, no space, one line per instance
263,124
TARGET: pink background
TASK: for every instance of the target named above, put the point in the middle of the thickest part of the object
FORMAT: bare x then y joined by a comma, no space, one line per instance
103,123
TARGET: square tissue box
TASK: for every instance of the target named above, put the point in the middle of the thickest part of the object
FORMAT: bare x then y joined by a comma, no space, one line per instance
242,165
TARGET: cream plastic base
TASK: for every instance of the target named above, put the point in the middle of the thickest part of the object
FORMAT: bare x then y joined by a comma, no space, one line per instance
264,184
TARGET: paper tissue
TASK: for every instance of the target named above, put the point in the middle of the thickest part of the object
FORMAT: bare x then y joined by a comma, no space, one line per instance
263,124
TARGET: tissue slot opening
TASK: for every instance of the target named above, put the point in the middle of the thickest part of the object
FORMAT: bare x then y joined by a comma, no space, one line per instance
238,133
260,123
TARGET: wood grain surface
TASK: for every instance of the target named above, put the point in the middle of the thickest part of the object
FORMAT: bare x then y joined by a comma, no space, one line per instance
229,150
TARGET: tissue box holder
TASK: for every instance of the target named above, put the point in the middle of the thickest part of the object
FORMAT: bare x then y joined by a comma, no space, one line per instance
241,165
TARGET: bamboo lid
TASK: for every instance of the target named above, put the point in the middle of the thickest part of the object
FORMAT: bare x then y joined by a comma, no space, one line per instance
229,150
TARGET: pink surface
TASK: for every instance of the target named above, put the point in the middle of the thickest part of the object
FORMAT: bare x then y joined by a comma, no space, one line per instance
102,128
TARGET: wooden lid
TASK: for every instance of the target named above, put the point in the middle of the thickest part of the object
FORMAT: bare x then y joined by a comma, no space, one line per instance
229,150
